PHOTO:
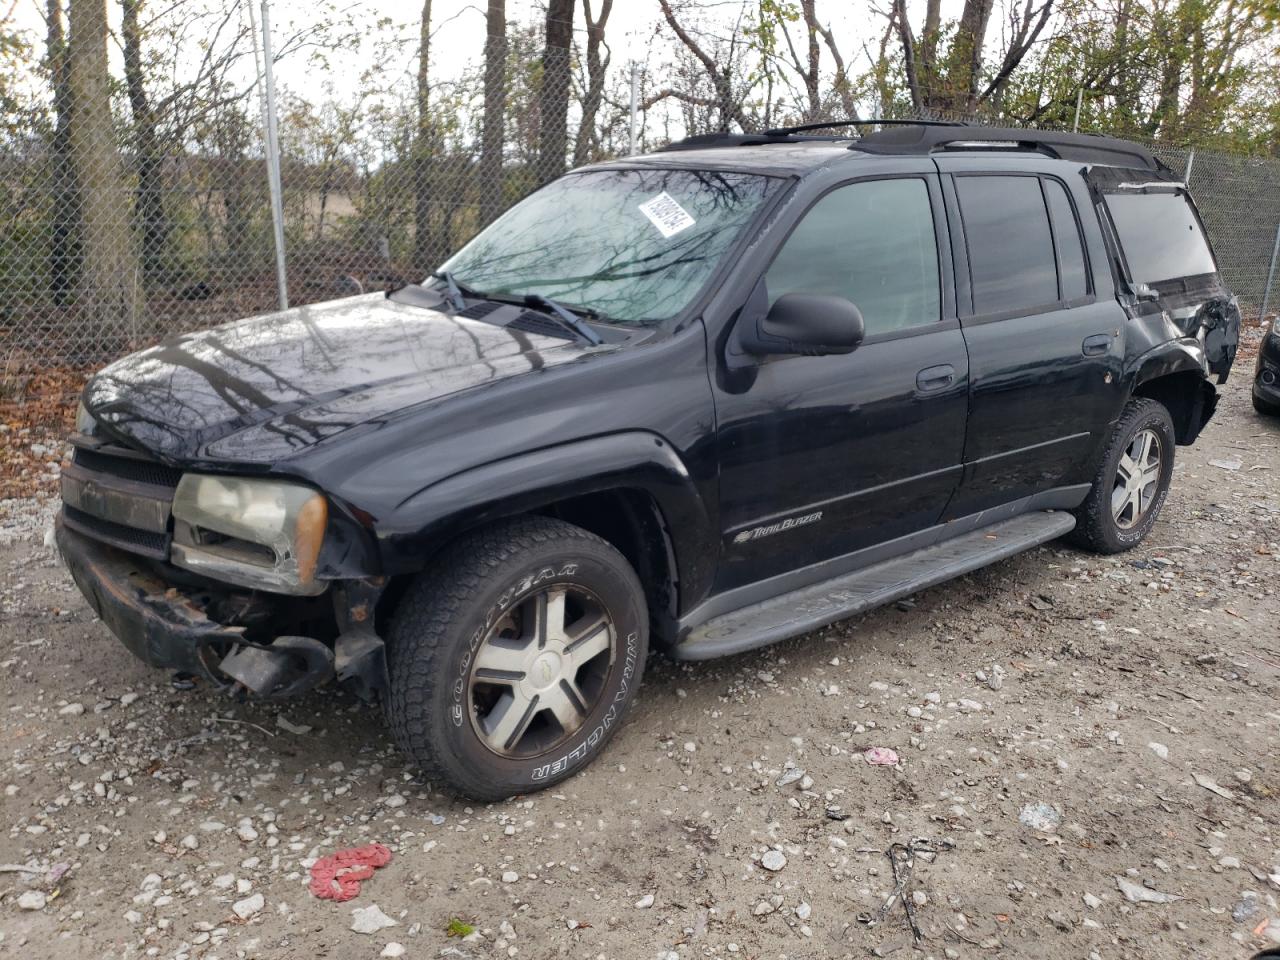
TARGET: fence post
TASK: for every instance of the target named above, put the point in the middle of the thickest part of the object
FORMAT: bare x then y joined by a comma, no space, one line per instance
1075,127
271,135
1271,275
1191,162
635,109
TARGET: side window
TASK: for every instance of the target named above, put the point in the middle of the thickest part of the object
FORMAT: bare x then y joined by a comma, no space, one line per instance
1066,231
872,243
1161,236
1011,258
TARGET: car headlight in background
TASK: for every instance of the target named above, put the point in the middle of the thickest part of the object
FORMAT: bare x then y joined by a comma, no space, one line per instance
85,423
257,533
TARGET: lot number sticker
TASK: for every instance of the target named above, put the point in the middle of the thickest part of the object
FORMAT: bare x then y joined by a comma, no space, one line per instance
667,215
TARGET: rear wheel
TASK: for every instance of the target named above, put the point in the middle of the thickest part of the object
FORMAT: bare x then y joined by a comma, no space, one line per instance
513,660
1132,480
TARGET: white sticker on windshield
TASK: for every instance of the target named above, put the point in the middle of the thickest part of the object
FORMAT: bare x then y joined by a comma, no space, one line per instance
667,215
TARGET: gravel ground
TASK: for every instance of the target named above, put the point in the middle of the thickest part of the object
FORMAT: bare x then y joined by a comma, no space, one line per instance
1095,736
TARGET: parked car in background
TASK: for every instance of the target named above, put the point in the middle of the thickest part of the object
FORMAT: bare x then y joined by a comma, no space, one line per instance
1266,372
704,399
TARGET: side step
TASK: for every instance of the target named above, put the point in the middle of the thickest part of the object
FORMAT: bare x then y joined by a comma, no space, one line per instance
808,608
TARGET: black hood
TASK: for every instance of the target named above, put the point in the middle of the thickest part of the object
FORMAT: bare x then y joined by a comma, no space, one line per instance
262,389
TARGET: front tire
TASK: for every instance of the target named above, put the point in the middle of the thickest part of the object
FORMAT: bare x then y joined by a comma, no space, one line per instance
513,659
1264,407
1132,481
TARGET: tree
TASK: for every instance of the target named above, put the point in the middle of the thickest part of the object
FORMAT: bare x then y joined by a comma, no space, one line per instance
109,280
64,247
495,110
149,212
422,148
587,141
955,79
553,95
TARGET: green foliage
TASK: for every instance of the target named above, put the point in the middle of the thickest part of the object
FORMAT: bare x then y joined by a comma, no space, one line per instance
458,928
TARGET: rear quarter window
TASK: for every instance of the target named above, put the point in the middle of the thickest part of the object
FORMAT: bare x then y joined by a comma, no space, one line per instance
1161,236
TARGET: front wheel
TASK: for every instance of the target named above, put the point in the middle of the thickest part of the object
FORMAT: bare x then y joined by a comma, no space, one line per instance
1132,480
514,658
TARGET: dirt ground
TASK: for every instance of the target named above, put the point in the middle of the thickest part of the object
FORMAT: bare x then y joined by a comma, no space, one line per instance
1134,697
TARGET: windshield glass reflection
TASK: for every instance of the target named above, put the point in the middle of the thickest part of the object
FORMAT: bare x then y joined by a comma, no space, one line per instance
635,246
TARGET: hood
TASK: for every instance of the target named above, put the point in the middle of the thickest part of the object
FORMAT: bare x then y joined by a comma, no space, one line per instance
263,389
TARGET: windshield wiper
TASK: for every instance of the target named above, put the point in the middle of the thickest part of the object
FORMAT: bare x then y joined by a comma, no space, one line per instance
455,290
566,316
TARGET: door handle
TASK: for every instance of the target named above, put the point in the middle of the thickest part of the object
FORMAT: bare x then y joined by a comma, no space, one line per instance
1096,345
935,378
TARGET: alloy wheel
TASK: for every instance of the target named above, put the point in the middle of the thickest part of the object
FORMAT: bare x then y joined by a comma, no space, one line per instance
1137,480
540,671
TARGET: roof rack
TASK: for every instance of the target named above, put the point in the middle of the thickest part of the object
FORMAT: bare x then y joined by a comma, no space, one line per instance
899,137
1082,147
823,125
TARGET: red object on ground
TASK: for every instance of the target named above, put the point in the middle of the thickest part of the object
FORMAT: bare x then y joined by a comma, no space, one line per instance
337,876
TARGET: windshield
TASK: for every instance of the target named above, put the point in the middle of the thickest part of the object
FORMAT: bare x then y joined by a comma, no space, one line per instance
635,246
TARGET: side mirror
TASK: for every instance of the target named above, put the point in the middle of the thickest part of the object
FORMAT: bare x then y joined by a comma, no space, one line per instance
807,324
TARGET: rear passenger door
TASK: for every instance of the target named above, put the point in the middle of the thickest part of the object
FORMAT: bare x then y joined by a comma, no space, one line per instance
1045,350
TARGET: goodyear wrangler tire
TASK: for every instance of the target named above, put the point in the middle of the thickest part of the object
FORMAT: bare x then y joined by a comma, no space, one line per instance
513,659
1132,481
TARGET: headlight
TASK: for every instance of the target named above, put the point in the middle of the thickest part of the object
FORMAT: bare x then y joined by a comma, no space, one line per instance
257,533
84,421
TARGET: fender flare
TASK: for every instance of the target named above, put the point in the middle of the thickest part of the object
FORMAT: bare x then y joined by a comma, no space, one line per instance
633,460
1184,355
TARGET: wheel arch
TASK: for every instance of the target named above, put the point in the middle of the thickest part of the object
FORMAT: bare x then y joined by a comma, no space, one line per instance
1174,375
630,489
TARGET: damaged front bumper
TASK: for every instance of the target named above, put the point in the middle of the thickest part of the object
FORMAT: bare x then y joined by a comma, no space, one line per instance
168,625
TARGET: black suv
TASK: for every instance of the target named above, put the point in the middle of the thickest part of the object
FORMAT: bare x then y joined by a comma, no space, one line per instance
704,399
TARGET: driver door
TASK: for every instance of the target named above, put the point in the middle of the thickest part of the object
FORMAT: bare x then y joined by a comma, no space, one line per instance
824,456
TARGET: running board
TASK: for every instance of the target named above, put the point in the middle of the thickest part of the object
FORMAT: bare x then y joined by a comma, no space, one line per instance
809,608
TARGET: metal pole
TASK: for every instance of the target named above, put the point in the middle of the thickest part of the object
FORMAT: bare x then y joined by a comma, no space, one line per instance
632,143
1075,127
273,154
1271,276
1191,162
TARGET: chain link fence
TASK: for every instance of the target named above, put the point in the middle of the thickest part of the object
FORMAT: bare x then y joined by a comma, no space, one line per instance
110,245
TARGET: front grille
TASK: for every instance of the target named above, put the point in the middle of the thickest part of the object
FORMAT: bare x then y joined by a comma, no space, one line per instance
127,466
117,534
119,496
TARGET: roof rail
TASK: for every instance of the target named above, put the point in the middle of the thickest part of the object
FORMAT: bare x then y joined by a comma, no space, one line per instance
789,134
1083,147
823,125
899,137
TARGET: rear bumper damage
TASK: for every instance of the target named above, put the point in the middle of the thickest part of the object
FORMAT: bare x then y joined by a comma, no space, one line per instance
169,626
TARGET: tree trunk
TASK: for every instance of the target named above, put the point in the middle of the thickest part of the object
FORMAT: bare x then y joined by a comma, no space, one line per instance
64,250
149,212
495,109
553,95
109,282
596,67
423,254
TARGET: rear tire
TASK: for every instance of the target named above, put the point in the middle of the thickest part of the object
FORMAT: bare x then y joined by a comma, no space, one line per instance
1131,483
513,659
